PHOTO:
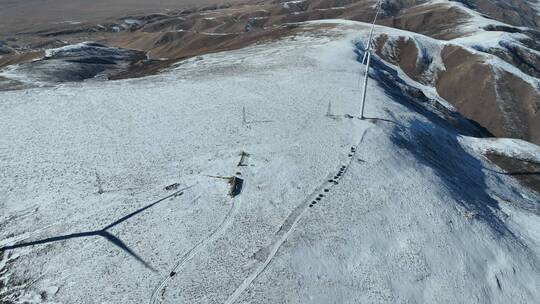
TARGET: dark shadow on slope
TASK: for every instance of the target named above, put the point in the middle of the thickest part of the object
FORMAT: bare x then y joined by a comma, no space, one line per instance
461,173
103,233
434,143
377,120
522,173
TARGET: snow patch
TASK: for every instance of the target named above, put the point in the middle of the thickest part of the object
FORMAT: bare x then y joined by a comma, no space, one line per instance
514,148
288,4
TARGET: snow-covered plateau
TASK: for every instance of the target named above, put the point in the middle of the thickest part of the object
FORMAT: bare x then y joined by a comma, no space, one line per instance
119,191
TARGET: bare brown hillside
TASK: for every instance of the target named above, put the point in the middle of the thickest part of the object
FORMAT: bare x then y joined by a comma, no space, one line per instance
17,16
503,103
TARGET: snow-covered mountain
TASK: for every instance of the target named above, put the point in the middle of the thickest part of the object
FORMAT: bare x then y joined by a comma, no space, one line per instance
120,191
487,50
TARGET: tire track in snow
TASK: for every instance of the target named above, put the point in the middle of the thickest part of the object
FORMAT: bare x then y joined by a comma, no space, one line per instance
292,221
225,223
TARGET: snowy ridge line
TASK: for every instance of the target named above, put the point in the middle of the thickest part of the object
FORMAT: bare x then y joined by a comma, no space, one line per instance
277,245
225,223
206,33
477,21
465,42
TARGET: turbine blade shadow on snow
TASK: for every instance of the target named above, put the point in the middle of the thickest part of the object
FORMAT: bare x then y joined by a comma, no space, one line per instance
125,218
116,241
103,233
51,240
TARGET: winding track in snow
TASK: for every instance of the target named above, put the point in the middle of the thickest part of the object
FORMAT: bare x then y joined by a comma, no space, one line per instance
225,223
294,217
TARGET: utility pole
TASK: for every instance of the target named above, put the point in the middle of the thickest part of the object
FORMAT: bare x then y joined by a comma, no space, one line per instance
366,59
329,110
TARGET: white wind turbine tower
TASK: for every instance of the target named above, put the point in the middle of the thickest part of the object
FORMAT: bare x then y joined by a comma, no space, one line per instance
367,59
